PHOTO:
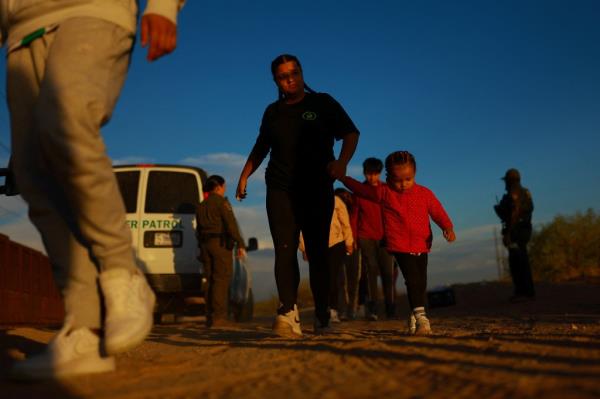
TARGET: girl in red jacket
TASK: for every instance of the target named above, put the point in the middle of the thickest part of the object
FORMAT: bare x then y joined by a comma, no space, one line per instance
407,207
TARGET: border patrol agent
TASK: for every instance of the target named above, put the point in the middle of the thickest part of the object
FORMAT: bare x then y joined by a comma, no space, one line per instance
514,210
218,234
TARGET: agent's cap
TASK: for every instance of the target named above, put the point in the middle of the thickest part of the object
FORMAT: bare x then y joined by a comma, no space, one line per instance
512,175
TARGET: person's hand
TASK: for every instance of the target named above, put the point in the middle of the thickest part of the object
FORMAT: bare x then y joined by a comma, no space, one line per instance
160,34
336,169
240,191
449,235
349,249
241,253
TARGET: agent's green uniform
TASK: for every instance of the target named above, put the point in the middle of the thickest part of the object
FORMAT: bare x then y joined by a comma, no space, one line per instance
217,233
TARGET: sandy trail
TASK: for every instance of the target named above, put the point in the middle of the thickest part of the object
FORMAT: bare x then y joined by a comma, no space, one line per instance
482,347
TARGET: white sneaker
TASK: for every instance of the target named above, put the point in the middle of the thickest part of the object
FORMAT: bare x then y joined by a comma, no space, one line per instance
412,324
333,316
423,327
372,317
288,324
70,353
129,305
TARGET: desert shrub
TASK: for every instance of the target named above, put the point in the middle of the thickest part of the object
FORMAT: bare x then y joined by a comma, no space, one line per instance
567,248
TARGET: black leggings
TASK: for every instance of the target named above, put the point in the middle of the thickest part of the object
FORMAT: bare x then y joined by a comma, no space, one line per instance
414,270
289,213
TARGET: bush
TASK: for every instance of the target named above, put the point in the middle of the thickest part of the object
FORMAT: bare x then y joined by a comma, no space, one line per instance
567,248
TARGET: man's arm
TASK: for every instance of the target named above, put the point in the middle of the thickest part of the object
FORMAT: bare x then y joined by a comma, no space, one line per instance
503,209
527,208
159,27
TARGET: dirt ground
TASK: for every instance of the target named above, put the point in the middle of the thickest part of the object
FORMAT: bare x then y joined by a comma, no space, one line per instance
483,347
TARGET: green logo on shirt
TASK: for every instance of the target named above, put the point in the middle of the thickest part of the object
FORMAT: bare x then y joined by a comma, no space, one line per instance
309,116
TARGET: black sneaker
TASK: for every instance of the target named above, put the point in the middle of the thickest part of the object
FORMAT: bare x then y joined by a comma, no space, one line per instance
321,328
521,298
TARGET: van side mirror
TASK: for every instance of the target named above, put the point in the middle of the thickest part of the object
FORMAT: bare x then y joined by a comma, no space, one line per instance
252,244
10,187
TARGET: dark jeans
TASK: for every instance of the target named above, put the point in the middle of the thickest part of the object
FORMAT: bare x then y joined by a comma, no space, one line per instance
218,268
289,213
378,261
520,271
350,277
414,270
362,281
336,255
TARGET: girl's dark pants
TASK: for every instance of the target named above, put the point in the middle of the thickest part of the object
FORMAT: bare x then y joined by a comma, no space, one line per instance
309,211
414,270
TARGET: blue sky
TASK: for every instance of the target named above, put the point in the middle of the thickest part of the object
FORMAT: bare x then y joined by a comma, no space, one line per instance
471,88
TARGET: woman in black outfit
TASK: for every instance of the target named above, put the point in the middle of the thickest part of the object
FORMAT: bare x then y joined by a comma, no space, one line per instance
299,130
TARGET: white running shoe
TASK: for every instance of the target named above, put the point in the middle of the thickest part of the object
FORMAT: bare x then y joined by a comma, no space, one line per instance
412,324
70,353
129,305
288,324
423,326
372,317
333,316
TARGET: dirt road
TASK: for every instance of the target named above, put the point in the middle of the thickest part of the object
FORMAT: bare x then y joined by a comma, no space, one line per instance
481,348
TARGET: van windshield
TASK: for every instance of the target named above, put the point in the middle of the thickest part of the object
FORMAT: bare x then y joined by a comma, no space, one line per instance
172,192
129,183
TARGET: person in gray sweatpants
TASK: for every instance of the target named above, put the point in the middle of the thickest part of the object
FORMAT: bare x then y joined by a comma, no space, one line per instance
66,67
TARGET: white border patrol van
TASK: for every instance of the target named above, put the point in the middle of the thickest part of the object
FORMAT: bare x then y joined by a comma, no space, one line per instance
160,202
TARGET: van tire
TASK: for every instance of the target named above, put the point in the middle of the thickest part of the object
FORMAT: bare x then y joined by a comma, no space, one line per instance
168,318
244,311
163,318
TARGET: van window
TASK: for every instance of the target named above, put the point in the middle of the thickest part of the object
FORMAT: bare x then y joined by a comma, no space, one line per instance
171,192
129,183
